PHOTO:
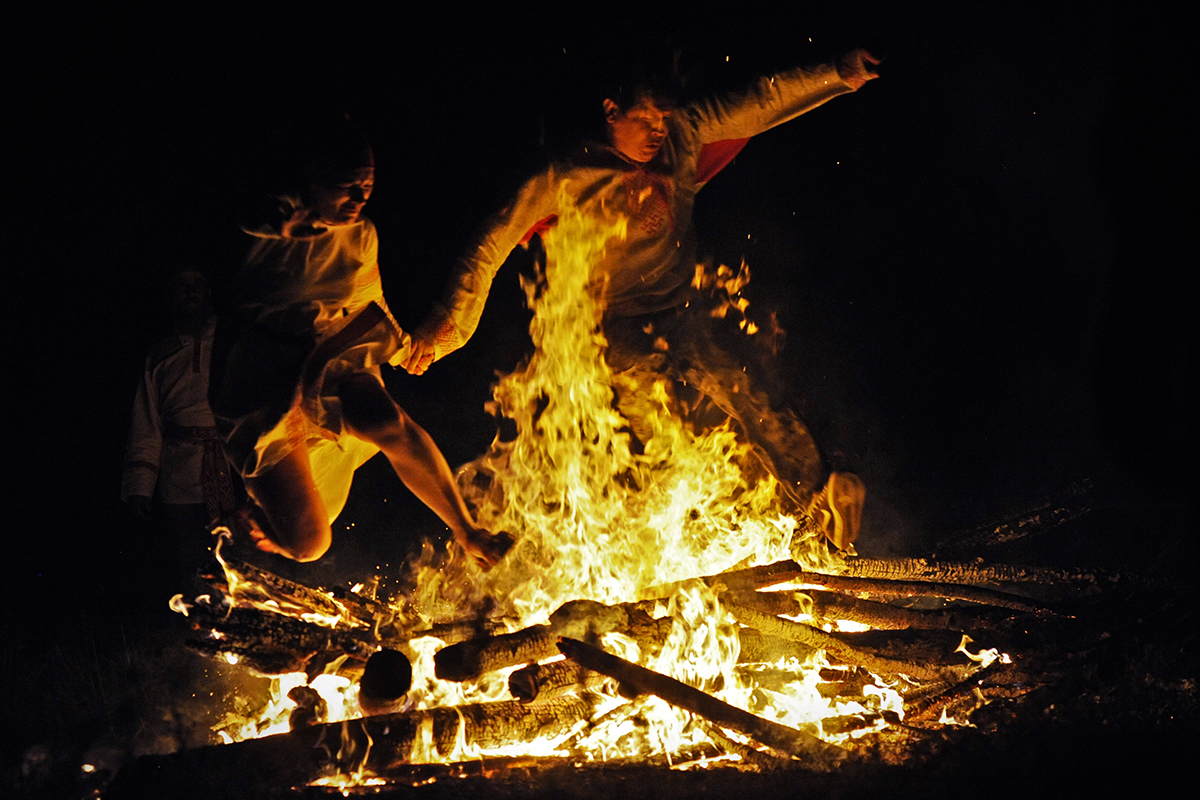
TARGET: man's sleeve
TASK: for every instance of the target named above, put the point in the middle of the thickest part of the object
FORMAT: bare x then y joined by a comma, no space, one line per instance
455,319
722,125
143,448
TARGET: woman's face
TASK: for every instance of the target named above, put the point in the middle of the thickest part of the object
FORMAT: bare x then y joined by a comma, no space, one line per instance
338,197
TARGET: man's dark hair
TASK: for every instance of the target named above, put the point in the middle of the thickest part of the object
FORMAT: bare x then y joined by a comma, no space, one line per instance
660,83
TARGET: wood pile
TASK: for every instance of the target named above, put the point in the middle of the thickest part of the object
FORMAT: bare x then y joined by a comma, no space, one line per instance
918,612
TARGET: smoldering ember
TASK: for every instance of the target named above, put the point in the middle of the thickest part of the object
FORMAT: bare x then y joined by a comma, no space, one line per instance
954,268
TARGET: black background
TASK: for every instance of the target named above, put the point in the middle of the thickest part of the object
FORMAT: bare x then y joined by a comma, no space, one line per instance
975,256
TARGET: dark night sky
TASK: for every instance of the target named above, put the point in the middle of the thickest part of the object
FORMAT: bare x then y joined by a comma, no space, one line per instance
969,254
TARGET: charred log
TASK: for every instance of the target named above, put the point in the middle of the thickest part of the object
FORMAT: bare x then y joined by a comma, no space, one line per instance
974,572
271,643
267,767
833,606
470,659
253,584
640,680
1033,519
836,646
541,682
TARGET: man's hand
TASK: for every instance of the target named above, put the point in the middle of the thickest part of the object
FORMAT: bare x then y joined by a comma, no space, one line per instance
485,548
420,356
855,68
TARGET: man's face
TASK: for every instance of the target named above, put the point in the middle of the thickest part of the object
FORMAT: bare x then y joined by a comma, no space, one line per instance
636,133
338,197
189,292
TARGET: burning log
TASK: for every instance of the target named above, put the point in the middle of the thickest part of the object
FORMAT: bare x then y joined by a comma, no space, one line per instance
268,766
253,583
758,648
840,649
541,682
272,643
640,680
921,569
497,724
767,575
476,657
470,659
835,606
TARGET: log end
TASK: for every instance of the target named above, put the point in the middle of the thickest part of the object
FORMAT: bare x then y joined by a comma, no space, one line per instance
458,662
385,681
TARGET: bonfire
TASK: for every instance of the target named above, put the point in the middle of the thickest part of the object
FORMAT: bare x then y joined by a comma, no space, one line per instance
659,607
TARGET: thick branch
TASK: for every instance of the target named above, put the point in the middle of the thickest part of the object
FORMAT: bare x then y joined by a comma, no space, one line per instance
542,682
836,647
267,767
833,606
790,572
475,657
644,681
921,569
252,584
271,643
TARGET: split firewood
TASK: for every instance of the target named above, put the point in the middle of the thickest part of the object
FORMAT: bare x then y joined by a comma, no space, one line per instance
839,649
639,680
831,606
541,682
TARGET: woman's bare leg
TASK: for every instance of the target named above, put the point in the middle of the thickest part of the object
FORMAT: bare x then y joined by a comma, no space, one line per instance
372,415
288,496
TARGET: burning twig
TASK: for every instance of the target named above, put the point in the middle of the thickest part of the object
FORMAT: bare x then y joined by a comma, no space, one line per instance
640,680
931,702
